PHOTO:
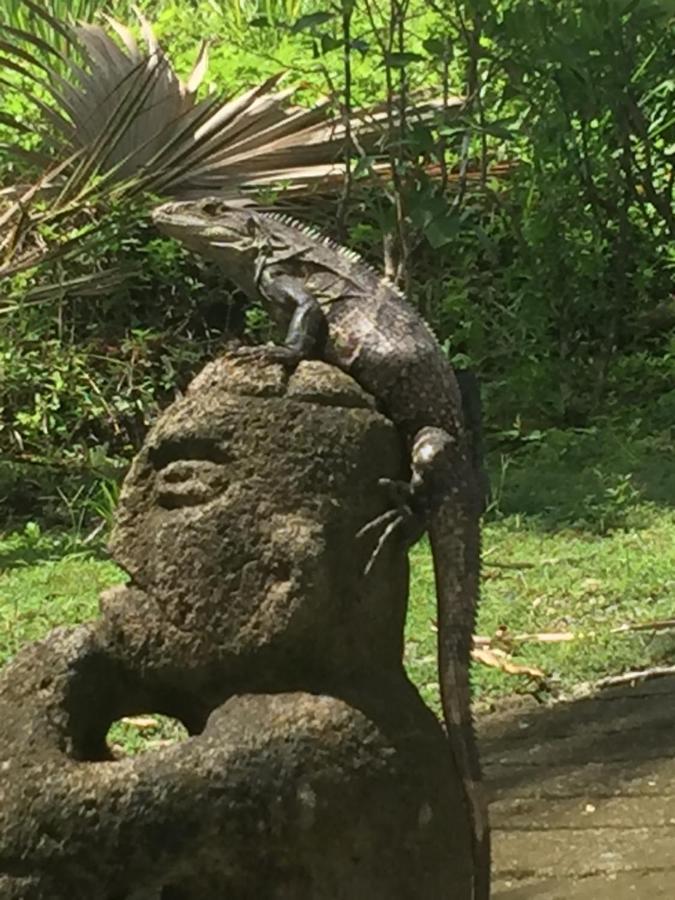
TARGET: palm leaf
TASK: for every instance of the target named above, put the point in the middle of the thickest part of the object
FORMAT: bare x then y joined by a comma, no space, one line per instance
131,113
121,122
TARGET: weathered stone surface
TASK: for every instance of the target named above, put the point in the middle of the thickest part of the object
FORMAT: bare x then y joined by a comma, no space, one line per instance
313,770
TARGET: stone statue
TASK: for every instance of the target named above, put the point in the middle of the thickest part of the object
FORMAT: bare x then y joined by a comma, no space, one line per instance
313,770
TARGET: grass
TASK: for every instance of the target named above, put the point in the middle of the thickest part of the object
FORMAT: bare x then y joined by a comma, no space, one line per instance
580,538
568,581
47,579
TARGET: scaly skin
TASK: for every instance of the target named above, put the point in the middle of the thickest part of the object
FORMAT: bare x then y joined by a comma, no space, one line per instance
333,305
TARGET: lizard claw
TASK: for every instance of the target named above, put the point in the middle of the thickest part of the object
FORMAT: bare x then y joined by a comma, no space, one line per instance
272,353
393,525
385,518
401,516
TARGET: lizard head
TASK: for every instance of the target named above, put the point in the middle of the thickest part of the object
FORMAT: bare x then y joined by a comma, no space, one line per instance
227,232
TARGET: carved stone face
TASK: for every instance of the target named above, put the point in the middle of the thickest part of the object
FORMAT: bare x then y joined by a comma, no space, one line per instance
312,760
239,516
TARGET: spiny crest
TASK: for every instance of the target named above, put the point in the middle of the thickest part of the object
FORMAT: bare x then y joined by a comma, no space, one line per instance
285,219
346,252
387,282
320,238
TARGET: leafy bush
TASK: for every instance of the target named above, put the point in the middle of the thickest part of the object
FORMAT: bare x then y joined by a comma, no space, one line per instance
534,227
90,371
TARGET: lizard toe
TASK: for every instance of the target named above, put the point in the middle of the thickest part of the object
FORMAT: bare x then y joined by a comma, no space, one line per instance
271,353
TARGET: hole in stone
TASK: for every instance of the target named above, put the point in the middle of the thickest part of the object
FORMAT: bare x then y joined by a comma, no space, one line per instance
141,733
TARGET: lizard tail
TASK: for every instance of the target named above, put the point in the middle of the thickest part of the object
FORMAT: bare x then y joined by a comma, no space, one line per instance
455,544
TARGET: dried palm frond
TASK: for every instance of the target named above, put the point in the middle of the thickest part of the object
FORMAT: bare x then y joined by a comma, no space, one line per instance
117,120
131,116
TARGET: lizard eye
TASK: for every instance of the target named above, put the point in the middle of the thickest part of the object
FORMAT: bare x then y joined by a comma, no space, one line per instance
211,209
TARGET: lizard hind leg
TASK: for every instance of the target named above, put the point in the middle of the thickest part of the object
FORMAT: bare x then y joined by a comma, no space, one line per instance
433,453
413,501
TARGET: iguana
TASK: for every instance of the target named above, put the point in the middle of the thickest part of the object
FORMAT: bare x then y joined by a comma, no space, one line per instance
334,306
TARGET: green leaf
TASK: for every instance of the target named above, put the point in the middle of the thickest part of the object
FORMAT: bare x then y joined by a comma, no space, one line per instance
441,48
360,45
421,139
454,130
442,230
329,43
498,129
399,60
311,20
363,166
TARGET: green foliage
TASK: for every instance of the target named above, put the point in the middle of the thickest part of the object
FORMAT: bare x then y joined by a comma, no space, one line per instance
87,372
596,220
553,282
533,225
22,14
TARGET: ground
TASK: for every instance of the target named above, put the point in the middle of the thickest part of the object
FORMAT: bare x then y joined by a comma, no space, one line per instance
578,567
583,796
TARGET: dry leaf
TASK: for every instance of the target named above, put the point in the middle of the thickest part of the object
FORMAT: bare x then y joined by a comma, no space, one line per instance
640,675
497,659
141,722
502,635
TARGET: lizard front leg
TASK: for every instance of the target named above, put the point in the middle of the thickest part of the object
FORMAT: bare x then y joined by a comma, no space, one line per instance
291,305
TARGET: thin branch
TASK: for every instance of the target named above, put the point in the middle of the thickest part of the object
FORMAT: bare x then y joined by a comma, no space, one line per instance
639,675
346,106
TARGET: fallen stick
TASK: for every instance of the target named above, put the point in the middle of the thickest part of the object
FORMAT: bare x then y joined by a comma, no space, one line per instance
559,637
641,675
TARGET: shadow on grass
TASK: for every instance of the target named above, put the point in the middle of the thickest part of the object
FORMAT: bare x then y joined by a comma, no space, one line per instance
20,551
596,480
